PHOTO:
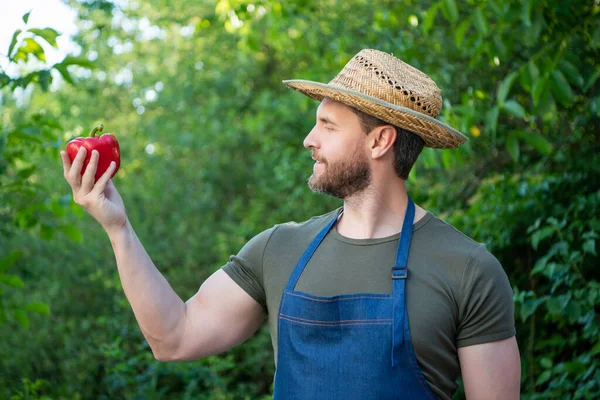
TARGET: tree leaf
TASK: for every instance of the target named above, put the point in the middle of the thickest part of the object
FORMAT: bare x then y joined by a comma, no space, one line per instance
48,34
497,7
537,90
4,80
45,79
528,308
536,141
24,135
533,70
20,56
26,172
544,377
546,363
533,32
499,47
561,88
37,307
22,318
9,260
529,76
451,12
33,47
571,73
592,79
72,232
514,108
13,42
480,22
526,12
82,62
589,246
430,18
459,34
541,234
512,145
26,16
65,73
491,119
504,87
11,280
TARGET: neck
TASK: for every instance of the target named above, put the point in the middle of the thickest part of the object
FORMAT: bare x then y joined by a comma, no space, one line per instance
376,212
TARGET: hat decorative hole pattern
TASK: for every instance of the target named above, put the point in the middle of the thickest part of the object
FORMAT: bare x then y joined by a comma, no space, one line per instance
413,96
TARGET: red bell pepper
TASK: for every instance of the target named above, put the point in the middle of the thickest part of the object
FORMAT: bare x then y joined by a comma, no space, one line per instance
106,145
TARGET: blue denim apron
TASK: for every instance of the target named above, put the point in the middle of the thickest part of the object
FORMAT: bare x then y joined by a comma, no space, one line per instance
350,346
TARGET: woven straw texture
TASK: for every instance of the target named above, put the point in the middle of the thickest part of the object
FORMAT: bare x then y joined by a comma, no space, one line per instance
384,86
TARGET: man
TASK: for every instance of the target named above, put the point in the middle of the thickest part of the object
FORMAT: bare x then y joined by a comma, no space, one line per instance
378,299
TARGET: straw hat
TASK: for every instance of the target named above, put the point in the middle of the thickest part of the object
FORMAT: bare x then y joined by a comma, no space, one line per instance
385,87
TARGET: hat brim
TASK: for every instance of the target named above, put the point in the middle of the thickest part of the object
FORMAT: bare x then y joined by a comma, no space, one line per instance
435,133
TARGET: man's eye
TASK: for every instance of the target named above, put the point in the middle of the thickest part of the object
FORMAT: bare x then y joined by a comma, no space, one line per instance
329,128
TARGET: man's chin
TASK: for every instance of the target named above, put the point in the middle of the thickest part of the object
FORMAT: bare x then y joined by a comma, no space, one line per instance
319,188
313,184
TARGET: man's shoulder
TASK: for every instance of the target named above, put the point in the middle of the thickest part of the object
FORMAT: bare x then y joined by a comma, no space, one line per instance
449,241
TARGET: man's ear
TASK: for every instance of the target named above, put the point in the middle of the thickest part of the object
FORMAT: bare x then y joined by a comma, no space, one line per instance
381,140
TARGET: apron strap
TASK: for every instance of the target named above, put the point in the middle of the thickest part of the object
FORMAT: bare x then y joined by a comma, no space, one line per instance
308,253
399,274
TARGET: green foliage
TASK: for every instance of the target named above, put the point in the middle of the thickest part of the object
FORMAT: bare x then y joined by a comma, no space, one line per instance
212,154
27,205
30,390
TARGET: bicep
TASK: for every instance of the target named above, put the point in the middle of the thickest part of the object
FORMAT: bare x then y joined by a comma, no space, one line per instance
219,316
491,370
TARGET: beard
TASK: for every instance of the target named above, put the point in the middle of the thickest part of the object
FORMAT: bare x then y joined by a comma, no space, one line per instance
344,178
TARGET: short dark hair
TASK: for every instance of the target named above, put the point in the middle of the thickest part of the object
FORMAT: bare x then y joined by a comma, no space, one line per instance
407,145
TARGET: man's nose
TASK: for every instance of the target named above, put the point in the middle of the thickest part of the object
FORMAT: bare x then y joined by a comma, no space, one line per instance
310,141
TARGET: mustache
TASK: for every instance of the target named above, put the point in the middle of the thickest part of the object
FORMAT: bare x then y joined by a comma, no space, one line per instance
318,158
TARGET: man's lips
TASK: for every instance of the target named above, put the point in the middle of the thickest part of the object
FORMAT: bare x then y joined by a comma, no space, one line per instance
317,160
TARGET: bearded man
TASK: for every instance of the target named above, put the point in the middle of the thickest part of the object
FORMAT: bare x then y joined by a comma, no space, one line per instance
378,299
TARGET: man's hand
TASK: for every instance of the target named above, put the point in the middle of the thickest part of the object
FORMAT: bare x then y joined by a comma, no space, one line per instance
101,200
491,370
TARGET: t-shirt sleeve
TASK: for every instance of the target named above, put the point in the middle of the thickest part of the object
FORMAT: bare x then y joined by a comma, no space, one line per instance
246,268
486,308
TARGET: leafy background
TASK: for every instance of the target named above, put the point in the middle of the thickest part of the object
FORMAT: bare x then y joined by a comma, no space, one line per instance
212,154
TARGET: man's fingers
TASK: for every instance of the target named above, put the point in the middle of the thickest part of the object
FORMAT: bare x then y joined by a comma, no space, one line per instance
87,181
104,179
66,161
75,172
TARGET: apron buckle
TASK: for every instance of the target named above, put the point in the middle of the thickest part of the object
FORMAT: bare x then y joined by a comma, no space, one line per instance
403,272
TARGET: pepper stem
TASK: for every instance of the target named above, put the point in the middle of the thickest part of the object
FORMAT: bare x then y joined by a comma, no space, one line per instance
98,128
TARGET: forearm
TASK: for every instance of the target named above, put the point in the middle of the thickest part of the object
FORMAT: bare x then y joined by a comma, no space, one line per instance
159,311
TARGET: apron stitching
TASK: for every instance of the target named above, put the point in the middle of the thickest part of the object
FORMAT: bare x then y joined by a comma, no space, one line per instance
342,320
347,298
336,324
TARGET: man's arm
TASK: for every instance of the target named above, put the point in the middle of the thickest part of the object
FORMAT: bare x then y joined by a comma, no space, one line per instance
215,319
220,316
491,370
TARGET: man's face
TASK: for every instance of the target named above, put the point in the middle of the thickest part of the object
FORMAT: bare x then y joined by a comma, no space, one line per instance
337,143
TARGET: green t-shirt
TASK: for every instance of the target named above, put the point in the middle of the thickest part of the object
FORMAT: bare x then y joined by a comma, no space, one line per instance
457,293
